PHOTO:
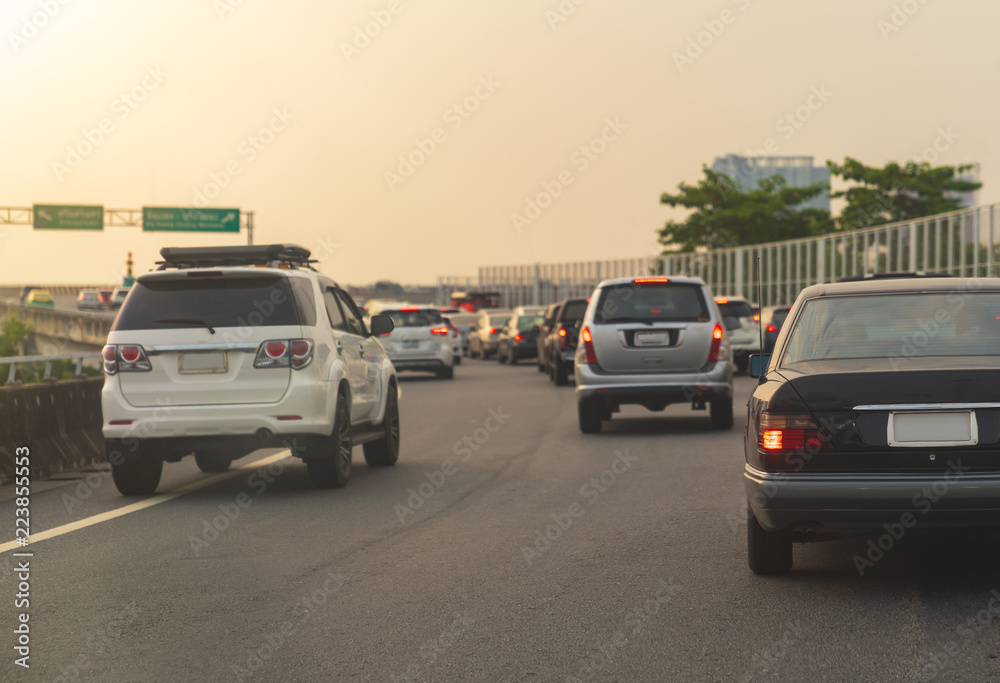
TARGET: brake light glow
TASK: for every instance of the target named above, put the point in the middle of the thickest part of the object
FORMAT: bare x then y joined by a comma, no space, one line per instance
440,330
493,330
722,301
650,280
588,347
772,328
517,337
562,331
409,310
718,349
756,317
780,433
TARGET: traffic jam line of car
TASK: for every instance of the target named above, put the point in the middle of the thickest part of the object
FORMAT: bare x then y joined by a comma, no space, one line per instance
875,407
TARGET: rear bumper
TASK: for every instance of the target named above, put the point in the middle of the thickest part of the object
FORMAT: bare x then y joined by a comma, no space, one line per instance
422,364
840,503
669,387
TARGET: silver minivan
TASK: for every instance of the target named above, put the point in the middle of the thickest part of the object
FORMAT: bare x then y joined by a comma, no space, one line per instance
653,341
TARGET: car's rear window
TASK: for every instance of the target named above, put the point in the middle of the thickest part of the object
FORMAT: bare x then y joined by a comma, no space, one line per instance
425,317
463,319
526,323
735,309
896,326
213,301
651,302
574,310
779,316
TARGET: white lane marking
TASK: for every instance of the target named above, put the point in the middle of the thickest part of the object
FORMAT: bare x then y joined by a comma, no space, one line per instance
142,504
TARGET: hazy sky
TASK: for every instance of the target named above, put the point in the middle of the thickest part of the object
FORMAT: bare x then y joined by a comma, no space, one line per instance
602,105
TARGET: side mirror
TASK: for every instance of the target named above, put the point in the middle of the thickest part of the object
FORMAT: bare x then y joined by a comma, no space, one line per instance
381,324
759,363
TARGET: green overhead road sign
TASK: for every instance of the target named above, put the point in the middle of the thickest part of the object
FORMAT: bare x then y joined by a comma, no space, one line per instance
176,219
58,217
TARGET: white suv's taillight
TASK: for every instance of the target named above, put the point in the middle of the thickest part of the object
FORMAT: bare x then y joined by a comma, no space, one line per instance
125,358
284,353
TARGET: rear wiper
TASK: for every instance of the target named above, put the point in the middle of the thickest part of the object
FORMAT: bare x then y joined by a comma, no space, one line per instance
646,321
186,321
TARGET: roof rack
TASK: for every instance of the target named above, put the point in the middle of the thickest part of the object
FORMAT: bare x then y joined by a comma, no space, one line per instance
270,255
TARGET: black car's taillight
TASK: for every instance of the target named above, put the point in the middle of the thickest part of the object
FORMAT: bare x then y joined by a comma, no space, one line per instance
781,433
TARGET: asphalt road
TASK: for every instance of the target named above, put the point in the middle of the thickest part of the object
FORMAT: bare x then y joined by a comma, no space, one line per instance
440,569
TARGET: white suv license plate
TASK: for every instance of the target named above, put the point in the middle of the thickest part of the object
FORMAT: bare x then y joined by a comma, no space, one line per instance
410,344
933,428
202,363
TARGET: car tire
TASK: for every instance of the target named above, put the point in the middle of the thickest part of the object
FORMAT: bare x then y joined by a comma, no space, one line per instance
590,415
768,553
212,461
500,357
721,412
559,376
385,451
138,477
512,357
742,363
541,366
447,373
332,470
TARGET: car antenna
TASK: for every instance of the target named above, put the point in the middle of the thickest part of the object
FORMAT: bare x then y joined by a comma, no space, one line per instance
760,304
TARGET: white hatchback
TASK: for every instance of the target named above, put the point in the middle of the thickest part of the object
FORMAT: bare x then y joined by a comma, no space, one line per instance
421,339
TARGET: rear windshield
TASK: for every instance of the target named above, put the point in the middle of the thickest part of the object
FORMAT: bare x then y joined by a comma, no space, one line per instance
574,310
208,301
896,326
778,317
735,309
463,319
526,323
425,317
651,302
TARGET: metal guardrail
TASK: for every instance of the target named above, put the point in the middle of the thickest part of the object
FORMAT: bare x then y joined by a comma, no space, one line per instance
959,243
48,360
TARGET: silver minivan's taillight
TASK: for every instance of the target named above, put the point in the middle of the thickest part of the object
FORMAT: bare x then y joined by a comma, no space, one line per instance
284,353
125,358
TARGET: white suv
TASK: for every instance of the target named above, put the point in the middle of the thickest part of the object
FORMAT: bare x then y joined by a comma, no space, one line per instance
225,350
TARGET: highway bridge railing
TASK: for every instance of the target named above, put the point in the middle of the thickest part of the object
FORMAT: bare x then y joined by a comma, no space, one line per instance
10,365
960,242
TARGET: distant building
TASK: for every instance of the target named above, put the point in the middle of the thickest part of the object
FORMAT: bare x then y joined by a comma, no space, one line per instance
797,172
969,199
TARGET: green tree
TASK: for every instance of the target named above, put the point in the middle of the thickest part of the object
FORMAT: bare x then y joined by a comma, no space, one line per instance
897,193
725,215
13,336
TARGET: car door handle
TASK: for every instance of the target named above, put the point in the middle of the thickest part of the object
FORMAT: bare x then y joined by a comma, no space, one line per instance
361,349
340,347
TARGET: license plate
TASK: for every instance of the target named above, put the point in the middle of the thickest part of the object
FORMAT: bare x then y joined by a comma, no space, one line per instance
928,428
202,363
650,338
411,343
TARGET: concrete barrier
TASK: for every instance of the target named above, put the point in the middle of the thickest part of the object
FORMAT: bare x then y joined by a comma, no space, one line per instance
59,422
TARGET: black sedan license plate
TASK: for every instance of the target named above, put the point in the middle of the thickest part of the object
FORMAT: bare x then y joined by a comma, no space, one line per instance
925,428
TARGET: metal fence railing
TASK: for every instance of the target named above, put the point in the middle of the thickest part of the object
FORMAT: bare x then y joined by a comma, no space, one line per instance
36,361
959,243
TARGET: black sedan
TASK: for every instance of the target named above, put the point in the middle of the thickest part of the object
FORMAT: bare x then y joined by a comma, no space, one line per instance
878,411
518,338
